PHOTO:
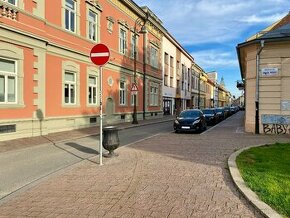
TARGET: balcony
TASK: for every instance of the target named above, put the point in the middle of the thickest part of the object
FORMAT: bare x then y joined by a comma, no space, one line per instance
8,10
240,85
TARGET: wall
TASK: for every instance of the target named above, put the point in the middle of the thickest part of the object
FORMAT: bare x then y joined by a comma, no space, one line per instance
274,89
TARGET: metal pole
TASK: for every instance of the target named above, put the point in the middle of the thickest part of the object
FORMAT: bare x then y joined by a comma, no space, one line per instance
101,117
135,107
144,76
198,103
257,115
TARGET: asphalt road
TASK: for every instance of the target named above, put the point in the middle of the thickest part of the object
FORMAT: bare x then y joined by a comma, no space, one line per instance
20,168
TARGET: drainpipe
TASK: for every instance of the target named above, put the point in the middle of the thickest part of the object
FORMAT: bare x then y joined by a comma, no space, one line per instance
257,120
198,100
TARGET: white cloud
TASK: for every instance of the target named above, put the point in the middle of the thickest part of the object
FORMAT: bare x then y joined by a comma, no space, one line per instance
212,59
253,19
214,21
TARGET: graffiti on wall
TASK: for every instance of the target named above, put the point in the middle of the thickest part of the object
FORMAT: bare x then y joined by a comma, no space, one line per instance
276,124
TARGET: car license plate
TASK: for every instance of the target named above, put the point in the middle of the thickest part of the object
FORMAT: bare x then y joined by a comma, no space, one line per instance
185,127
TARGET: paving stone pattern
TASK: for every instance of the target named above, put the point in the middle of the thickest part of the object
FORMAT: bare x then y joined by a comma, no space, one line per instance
169,175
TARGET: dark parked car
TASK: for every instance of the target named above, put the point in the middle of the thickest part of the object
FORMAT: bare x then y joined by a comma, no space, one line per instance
221,113
211,116
233,109
227,111
191,120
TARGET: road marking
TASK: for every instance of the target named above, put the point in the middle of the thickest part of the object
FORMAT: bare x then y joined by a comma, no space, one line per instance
149,137
240,130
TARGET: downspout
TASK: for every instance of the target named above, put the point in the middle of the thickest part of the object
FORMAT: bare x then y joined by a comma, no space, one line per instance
198,100
257,119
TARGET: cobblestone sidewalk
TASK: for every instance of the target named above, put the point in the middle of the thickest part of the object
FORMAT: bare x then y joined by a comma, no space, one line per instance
169,175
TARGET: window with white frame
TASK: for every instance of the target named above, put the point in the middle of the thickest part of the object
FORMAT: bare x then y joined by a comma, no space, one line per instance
122,93
92,95
154,94
123,41
92,26
154,57
69,88
8,81
13,2
134,46
133,98
70,15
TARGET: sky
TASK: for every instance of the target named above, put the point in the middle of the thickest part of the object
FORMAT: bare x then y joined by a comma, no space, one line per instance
211,29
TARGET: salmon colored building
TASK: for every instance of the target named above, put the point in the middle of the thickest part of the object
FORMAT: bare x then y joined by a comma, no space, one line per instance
47,80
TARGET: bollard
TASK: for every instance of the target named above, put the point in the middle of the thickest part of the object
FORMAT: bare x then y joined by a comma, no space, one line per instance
110,140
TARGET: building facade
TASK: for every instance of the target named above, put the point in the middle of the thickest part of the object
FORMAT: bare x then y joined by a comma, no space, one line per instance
264,64
49,84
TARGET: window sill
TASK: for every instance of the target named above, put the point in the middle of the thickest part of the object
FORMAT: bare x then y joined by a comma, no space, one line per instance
9,106
92,105
70,105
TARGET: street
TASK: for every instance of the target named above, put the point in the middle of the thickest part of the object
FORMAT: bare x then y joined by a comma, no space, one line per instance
22,167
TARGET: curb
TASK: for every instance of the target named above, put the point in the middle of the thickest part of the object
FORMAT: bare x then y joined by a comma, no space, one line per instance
251,196
119,128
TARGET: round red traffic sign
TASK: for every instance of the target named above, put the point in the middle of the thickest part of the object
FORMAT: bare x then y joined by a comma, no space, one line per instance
100,54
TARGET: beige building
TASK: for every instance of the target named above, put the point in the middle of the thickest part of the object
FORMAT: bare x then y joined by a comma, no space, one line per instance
265,67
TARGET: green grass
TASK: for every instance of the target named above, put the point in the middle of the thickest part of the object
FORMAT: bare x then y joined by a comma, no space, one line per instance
266,170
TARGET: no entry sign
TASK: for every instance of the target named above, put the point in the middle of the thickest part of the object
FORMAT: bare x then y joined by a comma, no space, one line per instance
100,54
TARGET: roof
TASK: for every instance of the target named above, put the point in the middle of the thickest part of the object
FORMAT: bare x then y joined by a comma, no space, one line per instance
278,31
273,27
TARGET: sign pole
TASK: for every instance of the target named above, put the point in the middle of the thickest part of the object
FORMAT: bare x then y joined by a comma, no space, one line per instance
100,55
101,117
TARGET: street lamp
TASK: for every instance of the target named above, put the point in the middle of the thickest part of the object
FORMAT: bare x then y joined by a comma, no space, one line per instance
142,22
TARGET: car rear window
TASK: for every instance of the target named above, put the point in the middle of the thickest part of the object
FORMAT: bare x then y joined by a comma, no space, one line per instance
189,114
208,111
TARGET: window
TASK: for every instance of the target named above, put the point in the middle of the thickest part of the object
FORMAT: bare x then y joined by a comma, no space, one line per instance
13,2
166,80
133,98
92,90
70,15
154,95
188,78
123,40
70,88
154,57
122,93
92,25
177,68
165,58
192,82
171,61
171,81
8,81
134,43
